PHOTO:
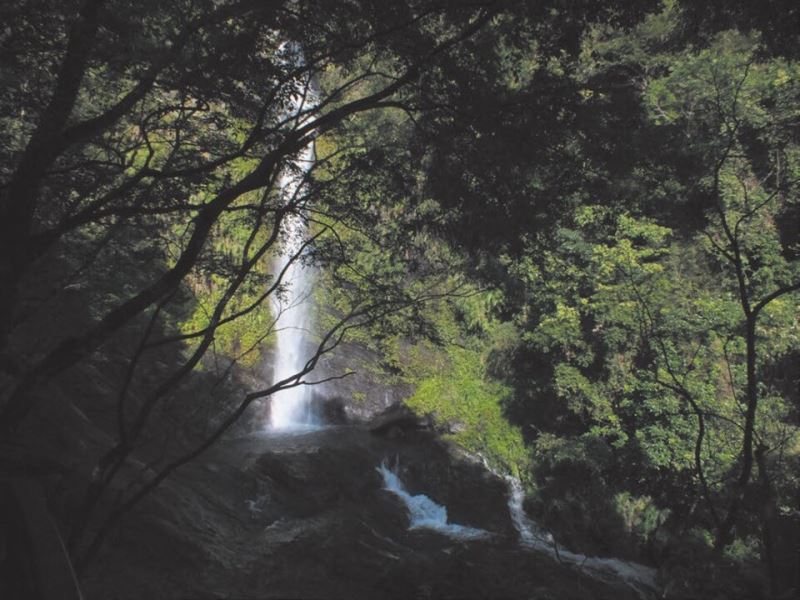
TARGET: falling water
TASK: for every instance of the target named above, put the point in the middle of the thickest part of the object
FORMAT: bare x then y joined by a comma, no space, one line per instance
611,570
423,512
639,577
291,409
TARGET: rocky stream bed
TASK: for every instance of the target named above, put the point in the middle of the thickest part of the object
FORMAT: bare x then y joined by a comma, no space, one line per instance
307,515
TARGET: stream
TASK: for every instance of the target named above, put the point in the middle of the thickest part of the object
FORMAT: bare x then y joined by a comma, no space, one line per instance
339,512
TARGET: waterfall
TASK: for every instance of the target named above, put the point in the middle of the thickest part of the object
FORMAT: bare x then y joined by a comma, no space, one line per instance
291,409
530,534
533,537
610,570
423,512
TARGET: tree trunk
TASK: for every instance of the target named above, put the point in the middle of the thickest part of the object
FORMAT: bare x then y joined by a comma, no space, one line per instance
725,531
769,519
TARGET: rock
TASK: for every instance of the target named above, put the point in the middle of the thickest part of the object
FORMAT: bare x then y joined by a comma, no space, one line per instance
325,527
452,427
473,496
332,411
397,419
366,391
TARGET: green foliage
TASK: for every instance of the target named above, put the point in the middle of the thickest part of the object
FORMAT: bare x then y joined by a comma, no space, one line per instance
596,209
243,338
640,515
462,399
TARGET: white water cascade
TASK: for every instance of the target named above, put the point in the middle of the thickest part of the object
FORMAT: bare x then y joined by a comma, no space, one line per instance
291,409
424,513
639,577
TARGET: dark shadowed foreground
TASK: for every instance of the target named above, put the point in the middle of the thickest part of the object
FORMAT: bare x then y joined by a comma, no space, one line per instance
305,516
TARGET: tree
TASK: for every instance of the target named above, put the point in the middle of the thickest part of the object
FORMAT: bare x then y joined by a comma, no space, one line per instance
160,134
636,203
739,112
133,156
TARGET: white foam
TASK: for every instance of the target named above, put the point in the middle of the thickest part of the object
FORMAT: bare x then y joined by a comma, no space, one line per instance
424,513
637,576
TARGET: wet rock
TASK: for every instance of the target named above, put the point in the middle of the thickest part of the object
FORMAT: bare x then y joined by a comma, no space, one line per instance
366,391
325,528
473,496
333,410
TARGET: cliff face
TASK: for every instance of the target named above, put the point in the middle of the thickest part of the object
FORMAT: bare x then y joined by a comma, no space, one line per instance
365,392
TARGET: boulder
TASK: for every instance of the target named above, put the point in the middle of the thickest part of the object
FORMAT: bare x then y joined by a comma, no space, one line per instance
396,420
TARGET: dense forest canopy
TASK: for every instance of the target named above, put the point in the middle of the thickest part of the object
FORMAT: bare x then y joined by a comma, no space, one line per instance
571,228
